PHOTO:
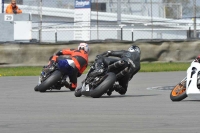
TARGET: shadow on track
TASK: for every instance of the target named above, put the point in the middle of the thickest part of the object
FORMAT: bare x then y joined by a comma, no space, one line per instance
121,96
57,91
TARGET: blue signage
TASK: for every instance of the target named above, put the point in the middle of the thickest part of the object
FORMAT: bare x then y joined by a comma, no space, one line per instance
82,4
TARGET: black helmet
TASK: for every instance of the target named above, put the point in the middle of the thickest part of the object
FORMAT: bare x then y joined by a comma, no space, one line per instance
134,48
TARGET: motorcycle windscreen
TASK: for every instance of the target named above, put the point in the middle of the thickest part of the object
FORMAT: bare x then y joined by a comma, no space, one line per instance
64,67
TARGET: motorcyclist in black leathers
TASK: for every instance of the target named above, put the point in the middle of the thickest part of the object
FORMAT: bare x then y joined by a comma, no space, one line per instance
131,65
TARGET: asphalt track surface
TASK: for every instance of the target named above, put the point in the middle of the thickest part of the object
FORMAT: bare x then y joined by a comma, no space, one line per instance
144,109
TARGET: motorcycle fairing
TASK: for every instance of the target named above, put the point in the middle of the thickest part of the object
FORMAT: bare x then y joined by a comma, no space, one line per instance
192,73
85,90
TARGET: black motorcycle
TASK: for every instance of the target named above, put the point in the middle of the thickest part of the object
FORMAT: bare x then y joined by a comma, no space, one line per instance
53,76
101,77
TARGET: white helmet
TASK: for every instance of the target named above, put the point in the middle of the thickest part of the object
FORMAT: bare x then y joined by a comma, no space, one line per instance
84,46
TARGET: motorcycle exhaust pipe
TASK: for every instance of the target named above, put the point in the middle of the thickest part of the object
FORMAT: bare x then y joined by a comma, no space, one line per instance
122,73
116,64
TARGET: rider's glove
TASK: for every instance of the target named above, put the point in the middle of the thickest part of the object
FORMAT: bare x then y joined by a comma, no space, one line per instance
53,60
50,58
52,63
97,57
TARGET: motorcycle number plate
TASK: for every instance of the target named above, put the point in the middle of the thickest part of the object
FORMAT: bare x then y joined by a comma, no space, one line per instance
39,81
87,88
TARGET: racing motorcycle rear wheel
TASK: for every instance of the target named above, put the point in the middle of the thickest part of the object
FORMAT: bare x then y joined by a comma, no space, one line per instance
178,93
50,81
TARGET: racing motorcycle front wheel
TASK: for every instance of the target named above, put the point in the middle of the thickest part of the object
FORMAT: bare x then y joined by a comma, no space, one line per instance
77,92
104,86
50,81
178,93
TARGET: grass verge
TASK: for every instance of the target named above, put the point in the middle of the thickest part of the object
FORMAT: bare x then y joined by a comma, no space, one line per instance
145,67
164,67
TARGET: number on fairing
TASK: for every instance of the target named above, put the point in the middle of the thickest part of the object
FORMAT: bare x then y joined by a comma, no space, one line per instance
87,87
39,82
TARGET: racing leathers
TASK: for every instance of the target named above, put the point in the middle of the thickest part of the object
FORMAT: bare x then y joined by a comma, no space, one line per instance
80,60
131,66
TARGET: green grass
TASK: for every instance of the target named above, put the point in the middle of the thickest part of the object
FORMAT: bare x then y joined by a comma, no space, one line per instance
145,67
20,71
163,67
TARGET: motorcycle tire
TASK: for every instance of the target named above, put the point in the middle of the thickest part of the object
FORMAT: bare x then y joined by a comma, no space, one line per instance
178,93
77,92
36,88
104,86
55,76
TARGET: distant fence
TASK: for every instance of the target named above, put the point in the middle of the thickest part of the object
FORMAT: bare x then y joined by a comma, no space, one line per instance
53,20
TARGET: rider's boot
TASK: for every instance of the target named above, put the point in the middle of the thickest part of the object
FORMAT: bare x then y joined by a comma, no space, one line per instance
65,83
119,89
109,92
72,86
